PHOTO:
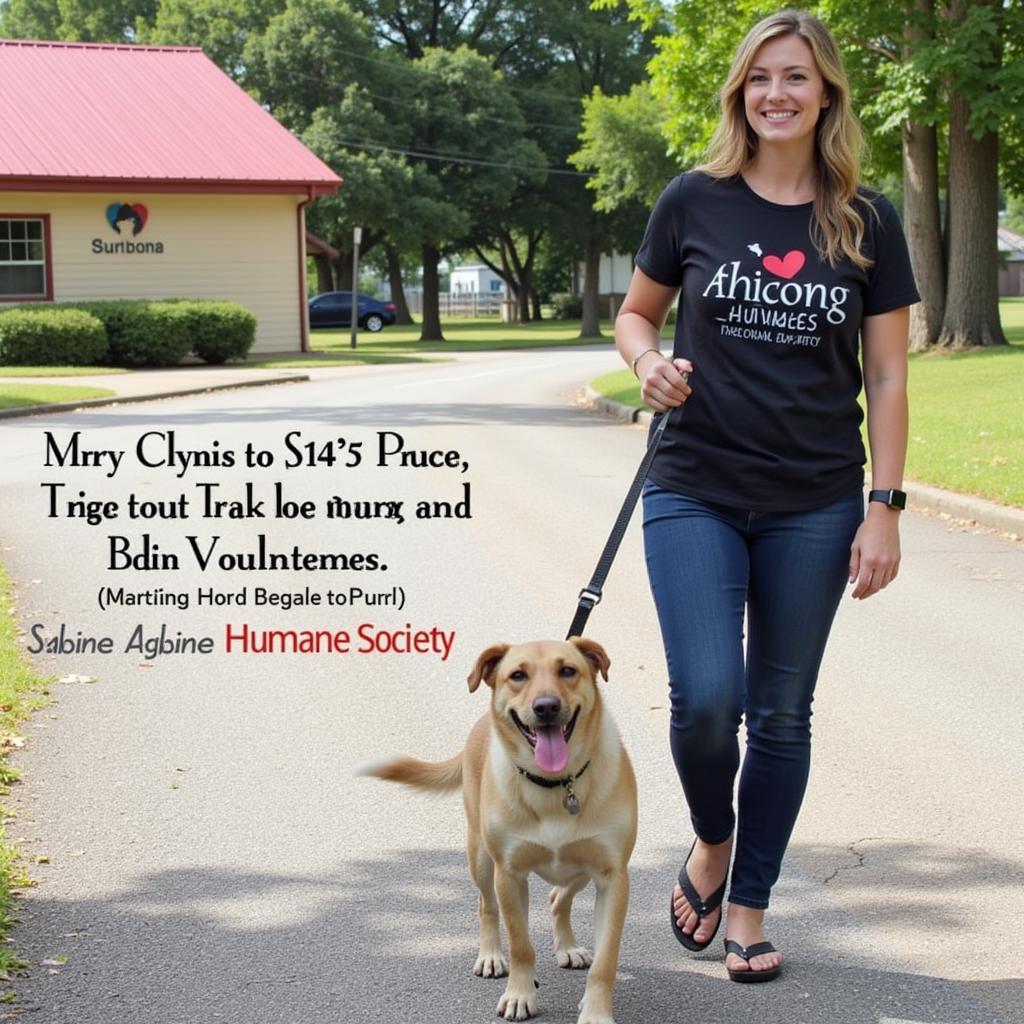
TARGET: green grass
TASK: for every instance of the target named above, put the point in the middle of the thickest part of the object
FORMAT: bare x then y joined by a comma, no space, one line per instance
17,395
21,691
966,414
331,346
59,371
461,335
320,357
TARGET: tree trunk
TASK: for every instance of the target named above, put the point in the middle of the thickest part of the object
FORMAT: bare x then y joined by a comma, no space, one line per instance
528,308
506,249
324,275
402,314
591,326
517,273
431,329
343,272
972,305
923,226
535,304
523,294
921,220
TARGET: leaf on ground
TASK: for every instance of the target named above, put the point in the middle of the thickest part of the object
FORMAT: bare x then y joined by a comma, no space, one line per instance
13,741
41,858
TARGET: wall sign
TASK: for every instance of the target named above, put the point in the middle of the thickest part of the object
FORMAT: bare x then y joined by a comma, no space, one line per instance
126,220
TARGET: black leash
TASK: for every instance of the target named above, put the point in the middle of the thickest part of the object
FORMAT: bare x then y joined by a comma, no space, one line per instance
590,595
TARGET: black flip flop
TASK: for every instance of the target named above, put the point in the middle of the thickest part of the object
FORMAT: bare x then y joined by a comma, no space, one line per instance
703,907
745,953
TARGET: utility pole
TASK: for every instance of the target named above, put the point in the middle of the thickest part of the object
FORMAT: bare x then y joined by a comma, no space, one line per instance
357,237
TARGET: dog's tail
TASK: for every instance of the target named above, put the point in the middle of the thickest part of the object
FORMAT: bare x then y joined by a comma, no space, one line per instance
435,775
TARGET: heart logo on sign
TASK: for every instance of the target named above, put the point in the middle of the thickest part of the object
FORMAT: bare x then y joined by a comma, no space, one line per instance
136,213
788,266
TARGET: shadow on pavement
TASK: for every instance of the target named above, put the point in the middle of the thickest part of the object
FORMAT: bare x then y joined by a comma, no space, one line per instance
393,940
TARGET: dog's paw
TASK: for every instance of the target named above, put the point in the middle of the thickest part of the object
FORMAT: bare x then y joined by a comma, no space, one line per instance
593,1014
574,958
490,965
515,1005
590,1018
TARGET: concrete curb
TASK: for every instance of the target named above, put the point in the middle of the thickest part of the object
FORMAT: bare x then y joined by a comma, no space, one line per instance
89,403
920,497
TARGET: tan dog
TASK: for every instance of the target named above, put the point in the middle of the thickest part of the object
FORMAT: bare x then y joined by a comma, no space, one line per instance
548,788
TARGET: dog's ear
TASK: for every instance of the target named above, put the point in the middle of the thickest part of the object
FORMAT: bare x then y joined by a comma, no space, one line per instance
485,666
593,652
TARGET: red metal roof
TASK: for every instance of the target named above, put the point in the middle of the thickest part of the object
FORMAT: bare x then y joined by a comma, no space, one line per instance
83,114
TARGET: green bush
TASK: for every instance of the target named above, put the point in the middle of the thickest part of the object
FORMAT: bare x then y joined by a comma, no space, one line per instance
51,337
152,334
141,332
219,330
567,307
114,314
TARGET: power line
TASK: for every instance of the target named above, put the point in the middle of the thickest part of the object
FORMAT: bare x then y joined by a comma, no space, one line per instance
462,159
483,117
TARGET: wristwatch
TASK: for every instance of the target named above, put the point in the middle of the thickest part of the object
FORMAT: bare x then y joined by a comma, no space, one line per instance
892,498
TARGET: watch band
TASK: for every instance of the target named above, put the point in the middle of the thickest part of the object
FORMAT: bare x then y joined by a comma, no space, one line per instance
892,497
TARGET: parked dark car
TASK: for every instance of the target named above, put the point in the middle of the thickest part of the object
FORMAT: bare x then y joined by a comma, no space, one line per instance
334,309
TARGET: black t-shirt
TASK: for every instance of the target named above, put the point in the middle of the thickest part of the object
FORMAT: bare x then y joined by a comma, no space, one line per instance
773,333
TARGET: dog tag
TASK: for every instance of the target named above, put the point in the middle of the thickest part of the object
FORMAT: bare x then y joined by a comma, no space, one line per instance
571,802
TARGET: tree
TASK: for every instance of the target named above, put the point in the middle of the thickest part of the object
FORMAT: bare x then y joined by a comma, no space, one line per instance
496,28
221,27
76,20
939,73
625,148
921,218
300,67
468,137
979,85
591,48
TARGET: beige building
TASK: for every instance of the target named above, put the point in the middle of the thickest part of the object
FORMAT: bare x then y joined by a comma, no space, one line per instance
203,197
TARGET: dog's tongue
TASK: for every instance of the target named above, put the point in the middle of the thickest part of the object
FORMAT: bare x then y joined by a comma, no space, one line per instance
551,752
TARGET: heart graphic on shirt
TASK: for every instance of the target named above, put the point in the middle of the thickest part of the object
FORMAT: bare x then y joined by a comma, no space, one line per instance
788,266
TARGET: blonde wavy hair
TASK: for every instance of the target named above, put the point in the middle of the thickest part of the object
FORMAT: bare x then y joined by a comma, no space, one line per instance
837,227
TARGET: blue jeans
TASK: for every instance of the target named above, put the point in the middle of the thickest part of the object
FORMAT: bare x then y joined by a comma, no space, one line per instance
707,564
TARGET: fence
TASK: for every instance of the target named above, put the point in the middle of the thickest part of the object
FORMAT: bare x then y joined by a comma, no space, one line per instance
458,303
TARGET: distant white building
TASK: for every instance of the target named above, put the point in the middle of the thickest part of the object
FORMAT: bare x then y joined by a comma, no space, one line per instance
614,273
475,279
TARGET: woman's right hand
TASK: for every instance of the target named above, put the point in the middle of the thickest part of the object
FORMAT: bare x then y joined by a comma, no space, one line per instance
664,382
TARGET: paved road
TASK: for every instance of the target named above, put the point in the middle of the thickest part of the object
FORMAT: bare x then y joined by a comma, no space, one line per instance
210,857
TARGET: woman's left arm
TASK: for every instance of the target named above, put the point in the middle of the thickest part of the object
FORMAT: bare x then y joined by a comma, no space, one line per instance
875,553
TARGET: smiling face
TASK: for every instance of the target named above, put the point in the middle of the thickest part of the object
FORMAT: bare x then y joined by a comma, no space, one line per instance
784,93
545,698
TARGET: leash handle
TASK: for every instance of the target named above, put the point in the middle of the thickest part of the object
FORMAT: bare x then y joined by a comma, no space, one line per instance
590,595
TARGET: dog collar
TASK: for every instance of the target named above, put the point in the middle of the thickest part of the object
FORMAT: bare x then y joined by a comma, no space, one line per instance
571,802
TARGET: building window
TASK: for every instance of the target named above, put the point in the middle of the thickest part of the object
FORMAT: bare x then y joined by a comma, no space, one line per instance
496,285
24,271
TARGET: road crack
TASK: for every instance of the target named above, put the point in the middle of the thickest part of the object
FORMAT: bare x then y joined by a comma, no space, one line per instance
860,856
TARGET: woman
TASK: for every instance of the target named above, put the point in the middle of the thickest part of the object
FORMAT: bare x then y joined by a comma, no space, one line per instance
754,503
